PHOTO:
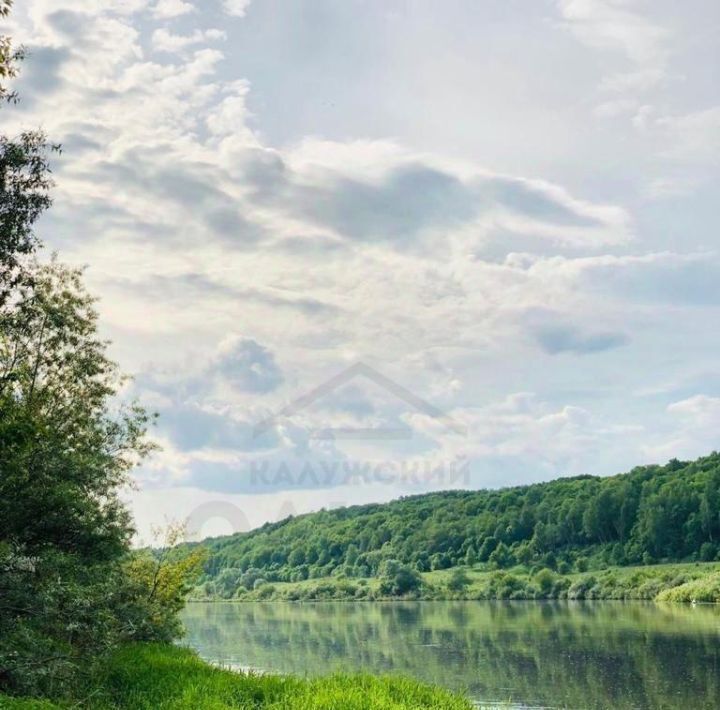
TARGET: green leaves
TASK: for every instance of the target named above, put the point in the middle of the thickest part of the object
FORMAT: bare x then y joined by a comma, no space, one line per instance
66,449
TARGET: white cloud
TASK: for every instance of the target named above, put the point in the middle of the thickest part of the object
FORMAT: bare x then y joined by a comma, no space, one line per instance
167,9
165,41
238,8
613,25
523,432
616,27
700,410
693,429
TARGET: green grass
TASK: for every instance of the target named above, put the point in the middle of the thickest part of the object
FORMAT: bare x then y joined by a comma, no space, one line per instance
23,704
159,677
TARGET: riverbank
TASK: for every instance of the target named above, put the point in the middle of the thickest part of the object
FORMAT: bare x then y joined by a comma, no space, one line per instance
162,677
681,582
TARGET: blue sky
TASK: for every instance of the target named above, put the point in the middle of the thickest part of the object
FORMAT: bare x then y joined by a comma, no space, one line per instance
509,209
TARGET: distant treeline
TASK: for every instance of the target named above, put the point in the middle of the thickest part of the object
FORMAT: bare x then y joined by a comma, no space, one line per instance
651,514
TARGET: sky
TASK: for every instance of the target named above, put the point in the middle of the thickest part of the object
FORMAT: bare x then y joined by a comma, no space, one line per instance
356,250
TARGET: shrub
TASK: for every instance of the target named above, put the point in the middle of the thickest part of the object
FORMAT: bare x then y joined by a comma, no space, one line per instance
266,591
581,588
458,581
545,580
397,579
564,567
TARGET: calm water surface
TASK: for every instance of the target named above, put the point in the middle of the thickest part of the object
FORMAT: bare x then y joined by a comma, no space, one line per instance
573,655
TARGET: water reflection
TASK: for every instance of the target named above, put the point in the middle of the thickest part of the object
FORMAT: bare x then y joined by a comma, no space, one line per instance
577,655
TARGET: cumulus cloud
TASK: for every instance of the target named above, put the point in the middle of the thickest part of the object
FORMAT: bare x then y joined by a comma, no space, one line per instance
524,432
192,427
246,365
167,9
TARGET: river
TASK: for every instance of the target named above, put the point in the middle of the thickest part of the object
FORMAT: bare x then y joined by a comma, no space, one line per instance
530,654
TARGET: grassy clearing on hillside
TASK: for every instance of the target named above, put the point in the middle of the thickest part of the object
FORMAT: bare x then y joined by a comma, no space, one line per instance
692,580
159,677
636,582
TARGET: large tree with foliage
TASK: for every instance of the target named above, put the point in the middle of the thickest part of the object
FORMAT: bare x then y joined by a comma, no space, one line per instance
70,586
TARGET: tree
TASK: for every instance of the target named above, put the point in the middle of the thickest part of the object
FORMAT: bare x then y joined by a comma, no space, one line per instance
296,558
471,557
156,586
352,554
707,552
25,182
487,548
25,179
710,505
70,587
397,579
501,556
9,56
65,454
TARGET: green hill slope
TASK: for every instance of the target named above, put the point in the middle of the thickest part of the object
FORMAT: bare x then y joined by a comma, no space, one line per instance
651,514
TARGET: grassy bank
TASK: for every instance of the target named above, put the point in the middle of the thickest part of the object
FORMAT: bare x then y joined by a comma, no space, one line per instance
159,677
683,582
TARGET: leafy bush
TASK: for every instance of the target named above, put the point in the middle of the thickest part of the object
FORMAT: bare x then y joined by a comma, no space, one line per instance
397,579
544,579
458,581
706,589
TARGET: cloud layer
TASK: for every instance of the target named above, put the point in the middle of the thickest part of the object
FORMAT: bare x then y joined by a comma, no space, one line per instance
537,265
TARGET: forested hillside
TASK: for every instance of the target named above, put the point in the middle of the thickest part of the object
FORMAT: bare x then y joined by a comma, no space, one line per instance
651,514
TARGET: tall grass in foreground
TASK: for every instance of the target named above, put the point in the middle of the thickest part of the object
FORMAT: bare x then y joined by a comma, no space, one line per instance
160,677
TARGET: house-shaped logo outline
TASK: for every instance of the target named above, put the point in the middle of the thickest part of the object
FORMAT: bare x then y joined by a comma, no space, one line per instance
361,369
